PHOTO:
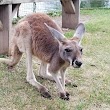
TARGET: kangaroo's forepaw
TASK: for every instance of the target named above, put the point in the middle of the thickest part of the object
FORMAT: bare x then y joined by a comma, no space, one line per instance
64,96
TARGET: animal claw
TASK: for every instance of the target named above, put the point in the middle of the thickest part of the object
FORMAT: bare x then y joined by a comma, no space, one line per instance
64,97
67,94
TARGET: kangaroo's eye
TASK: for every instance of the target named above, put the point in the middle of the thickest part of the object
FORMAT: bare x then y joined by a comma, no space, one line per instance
81,50
68,50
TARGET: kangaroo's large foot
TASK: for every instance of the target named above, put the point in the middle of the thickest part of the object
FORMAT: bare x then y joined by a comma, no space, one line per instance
44,92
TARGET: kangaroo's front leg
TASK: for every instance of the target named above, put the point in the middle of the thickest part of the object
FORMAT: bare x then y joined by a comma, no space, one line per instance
31,77
63,80
63,95
53,70
62,72
55,66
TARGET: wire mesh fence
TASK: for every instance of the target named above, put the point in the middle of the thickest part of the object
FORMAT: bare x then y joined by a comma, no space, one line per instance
48,6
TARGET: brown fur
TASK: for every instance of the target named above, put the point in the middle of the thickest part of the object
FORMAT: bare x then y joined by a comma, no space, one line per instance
39,35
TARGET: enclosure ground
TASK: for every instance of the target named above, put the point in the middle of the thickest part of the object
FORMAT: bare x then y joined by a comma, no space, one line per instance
92,79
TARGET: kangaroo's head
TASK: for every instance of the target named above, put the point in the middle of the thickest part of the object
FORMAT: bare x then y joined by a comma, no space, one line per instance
70,50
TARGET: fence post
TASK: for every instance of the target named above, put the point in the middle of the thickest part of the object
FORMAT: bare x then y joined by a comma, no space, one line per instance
5,34
71,20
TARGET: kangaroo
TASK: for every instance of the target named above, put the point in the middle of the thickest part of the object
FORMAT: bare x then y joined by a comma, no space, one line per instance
38,35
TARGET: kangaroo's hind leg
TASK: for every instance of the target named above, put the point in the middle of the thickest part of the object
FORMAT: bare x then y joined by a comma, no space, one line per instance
31,77
15,56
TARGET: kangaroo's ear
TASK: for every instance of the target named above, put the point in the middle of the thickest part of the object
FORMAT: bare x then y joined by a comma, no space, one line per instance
78,35
56,34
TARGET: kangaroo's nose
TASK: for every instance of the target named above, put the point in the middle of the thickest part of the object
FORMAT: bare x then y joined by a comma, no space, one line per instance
78,63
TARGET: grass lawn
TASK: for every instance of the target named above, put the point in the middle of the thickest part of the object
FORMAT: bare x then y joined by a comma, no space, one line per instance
93,79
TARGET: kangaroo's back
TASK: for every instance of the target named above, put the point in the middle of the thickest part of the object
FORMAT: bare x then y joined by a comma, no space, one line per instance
43,44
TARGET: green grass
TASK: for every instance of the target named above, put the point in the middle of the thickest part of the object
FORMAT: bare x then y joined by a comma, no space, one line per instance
93,79
54,13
